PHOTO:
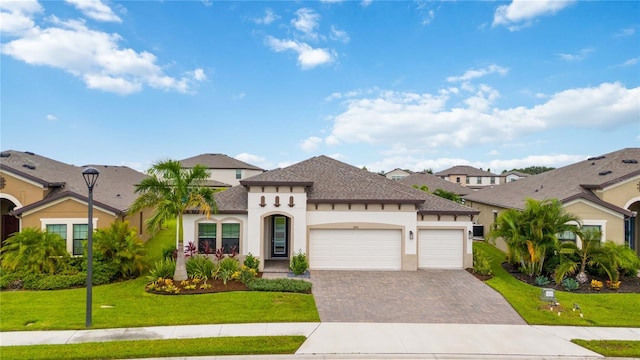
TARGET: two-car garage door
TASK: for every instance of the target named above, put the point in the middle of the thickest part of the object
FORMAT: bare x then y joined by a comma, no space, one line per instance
440,249
355,249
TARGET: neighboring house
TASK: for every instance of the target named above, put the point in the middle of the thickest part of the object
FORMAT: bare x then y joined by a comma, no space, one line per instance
604,191
434,183
224,171
513,175
397,174
342,217
43,193
469,176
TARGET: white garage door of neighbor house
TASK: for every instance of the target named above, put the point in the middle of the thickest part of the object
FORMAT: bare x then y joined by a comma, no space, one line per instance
440,249
357,249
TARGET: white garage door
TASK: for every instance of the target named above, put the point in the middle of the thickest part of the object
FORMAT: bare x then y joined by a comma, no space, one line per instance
361,249
440,249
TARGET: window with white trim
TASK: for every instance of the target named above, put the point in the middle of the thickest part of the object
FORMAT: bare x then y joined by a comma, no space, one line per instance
230,237
58,229
207,238
80,235
238,173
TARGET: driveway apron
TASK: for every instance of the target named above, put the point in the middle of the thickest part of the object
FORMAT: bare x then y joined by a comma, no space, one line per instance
423,296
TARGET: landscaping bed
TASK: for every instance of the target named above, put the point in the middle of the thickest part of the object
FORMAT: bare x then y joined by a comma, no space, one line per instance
628,284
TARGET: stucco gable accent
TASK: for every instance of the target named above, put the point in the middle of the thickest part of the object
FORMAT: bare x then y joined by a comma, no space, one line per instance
61,197
618,214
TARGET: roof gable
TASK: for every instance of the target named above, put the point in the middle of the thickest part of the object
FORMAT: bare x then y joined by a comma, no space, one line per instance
464,170
217,161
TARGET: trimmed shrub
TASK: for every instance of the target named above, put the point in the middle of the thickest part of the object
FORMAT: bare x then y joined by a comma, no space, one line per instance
226,268
481,263
280,285
252,262
56,282
299,263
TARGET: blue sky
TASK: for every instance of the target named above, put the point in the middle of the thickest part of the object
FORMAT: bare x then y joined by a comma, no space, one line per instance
411,84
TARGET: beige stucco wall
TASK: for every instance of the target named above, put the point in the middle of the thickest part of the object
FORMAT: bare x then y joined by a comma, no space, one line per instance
228,176
621,194
612,224
65,209
25,191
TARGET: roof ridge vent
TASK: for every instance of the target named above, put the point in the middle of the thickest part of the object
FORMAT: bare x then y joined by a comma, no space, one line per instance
5,154
606,172
630,161
29,153
29,166
596,157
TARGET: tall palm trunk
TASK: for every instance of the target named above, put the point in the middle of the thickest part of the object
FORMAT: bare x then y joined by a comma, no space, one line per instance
180,273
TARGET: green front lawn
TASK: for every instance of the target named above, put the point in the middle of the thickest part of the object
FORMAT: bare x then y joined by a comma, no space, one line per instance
158,348
598,309
126,304
612,348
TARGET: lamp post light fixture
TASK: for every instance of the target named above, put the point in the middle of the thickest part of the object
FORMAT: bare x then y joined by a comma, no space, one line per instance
90,176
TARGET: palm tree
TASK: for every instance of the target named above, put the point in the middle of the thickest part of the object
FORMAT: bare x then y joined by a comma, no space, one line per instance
171,190
34,251
532,232
120,245
589,249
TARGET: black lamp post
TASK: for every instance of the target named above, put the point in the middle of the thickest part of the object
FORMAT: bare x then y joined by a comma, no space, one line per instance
90,177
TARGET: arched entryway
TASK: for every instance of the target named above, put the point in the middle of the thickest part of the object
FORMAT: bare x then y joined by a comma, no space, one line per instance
10,224
632,226
277,236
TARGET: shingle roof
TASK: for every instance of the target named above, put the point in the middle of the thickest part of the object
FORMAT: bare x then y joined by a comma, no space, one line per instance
331,181
464,170
217,161
114,189
567,183
433,183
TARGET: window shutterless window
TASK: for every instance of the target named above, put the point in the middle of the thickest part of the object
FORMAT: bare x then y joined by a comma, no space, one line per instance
567,236
478,180
206,238
238,173
80,235
230,237
60,229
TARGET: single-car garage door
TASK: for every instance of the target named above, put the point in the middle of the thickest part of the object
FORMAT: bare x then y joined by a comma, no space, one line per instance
440,249
355,249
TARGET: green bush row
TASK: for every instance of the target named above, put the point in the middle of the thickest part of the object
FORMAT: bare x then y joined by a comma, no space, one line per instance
281,285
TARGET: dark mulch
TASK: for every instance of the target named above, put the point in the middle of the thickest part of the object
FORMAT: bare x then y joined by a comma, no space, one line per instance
628,284
216,287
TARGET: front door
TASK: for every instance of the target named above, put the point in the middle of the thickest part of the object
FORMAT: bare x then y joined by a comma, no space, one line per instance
280,237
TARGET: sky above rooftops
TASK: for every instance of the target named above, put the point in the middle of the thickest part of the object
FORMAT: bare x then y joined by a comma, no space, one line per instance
413,85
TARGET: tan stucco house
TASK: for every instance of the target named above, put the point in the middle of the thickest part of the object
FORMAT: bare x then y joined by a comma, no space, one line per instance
397,174
433,183
604,191
470,177
43,193
341,216
224,171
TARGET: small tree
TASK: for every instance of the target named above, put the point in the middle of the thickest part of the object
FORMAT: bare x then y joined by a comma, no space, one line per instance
34,251
120,246
589,247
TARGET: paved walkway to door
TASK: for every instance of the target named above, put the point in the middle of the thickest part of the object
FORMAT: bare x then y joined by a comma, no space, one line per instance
423,296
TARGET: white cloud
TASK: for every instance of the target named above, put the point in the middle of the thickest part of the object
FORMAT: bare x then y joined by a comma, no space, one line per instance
426,122
255,160
474,74
268,18
95,9
520,13
306,22
16,16
339,35
207,3
626,32
365,3
239,96
51,117
308,57
581,55
95,57
631,62
311,143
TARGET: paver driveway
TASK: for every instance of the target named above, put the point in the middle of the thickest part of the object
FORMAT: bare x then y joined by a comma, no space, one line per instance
423,296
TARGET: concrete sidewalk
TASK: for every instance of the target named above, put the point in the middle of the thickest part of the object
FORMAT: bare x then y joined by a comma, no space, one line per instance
369,340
